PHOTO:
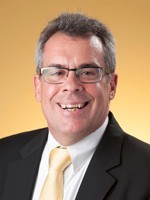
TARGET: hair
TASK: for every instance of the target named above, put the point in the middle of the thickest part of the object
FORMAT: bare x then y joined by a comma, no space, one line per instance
79,25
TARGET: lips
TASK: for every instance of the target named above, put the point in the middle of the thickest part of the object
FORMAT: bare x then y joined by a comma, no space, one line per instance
73,107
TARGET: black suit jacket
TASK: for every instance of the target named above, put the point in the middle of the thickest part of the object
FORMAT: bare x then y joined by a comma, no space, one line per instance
119,169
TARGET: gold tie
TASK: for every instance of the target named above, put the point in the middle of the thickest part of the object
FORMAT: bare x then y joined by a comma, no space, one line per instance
53,186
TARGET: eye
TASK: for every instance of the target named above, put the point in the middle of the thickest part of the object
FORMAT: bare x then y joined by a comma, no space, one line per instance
56,72
88,72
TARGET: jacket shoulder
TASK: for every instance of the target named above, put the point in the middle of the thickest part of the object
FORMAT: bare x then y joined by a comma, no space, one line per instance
137,151
18,140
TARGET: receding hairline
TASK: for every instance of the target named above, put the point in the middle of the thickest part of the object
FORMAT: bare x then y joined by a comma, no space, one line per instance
94,40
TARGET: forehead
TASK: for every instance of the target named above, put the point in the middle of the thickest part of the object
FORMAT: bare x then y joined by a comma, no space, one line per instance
59,38
61,46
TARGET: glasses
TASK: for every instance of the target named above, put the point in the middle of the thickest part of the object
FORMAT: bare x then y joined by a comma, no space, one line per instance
57,75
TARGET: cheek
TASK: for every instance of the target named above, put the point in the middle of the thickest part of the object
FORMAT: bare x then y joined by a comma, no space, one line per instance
99,91
48,92
100,94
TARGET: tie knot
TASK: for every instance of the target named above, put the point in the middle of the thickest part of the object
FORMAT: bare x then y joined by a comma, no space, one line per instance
59,159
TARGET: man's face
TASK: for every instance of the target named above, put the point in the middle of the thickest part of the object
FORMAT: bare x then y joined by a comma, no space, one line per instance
70,125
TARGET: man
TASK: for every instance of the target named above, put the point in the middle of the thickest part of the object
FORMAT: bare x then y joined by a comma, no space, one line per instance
75,83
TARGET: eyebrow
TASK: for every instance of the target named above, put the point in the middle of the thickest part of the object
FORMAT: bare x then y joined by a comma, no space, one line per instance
88,65
84,65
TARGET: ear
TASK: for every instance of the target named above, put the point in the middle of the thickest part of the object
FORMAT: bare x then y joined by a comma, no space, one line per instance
113,86
37,88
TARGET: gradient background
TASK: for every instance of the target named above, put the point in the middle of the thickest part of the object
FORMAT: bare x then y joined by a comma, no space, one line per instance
21,22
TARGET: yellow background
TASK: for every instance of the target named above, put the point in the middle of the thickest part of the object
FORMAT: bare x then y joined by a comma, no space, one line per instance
21,22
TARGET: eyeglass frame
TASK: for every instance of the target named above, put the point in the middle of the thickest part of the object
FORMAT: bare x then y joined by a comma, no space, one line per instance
103,70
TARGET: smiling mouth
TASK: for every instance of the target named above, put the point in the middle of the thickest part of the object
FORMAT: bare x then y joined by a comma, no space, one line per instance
71,107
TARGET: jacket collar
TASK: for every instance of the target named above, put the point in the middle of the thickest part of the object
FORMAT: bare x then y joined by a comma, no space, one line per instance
98,180
22,173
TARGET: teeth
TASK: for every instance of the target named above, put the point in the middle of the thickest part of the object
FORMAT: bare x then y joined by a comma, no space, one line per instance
72,107
63,106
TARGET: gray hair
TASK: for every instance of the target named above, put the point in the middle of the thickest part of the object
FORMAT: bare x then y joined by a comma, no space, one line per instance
79,25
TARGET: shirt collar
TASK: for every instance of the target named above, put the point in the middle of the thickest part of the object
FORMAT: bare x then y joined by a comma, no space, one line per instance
84,149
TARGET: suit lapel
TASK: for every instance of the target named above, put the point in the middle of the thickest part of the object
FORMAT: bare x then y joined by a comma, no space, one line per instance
22,173
98,181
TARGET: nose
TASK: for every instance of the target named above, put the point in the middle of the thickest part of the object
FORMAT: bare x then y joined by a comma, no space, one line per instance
72,83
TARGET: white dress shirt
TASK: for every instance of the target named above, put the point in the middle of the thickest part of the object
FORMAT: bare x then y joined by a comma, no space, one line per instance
81,154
